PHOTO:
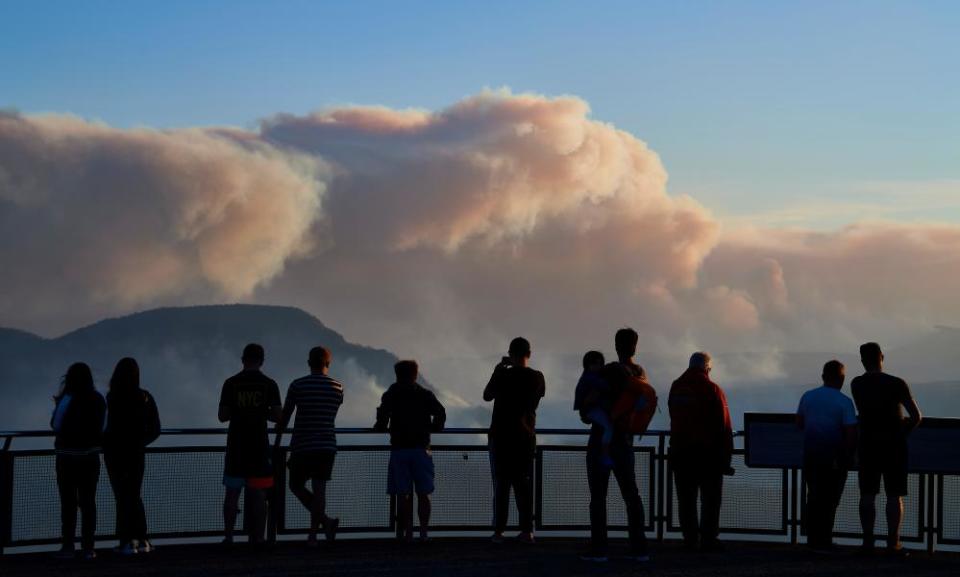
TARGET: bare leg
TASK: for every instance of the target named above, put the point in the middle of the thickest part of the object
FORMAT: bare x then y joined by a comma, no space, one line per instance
405,516
894,518
423,511
318,510
868,517
306,498
258,508
231,503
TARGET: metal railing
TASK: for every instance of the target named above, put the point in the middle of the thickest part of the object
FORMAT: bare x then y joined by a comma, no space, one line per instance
183,492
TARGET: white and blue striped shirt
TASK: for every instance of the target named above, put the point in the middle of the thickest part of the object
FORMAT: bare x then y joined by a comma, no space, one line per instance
316,398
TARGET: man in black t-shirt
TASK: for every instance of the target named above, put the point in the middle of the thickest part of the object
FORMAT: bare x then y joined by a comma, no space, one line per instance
410,412
515,390
880,400
248,400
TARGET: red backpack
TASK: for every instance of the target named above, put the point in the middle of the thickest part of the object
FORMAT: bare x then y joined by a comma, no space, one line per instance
634,409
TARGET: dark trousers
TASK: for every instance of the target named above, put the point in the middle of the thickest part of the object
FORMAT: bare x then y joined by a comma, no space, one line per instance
692,479
825,485
77,478
598,478
126,478
512,468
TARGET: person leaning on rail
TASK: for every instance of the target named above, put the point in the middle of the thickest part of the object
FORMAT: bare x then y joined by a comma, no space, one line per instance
316,398
78,419
410,412
880,400
248,400
829,424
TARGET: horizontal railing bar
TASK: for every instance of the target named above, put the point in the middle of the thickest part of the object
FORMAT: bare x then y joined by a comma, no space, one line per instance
343,431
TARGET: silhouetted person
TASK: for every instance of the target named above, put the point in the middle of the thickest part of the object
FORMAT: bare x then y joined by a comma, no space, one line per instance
248,400
880,400
410,412
133,422
617,376
701,445
316,398
829,424
592,400
78,420
515,390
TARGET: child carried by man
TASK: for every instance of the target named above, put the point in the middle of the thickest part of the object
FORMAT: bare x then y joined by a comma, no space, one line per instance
629,409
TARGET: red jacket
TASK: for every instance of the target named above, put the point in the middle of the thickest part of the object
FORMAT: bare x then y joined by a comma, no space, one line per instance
700,426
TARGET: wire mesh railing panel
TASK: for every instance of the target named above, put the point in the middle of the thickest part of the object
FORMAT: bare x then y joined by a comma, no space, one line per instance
356,493
36,500
183,492
566,493
183,495
848,513
752,501
950,509
464,495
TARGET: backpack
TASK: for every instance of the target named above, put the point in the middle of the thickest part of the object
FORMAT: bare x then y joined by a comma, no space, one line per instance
634,409
151,420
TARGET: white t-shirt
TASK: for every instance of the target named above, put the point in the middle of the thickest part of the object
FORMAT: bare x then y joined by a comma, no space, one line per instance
825,411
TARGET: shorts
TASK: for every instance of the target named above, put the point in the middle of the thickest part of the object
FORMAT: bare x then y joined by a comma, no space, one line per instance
410,470
317,465
888,463
238,483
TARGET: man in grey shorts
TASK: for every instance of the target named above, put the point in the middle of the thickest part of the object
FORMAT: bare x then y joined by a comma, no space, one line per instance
410,412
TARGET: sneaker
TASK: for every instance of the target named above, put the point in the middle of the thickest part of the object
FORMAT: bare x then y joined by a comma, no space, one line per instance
146,547
592,556
88,555
526,538
126,549
330,529
897,552
497,538
712,546
866,549
639,557
66,552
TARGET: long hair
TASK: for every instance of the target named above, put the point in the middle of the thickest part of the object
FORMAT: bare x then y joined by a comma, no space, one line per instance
78,381
126,377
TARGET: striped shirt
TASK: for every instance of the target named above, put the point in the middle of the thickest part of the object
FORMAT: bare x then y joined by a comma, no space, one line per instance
316,398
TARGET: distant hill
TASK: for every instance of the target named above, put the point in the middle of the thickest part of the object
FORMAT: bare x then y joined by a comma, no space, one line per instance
184,355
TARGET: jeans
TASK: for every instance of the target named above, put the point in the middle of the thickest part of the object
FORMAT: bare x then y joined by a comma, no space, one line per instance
512,467
691,478
77,478
825,485
598,477
126,478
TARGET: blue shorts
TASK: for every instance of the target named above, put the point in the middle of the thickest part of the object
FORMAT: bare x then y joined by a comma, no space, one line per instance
238,483
410,470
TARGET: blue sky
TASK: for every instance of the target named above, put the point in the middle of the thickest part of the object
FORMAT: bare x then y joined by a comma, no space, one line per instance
804,113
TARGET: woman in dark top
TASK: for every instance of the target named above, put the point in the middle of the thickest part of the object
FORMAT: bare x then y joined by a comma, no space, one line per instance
132,424
78,423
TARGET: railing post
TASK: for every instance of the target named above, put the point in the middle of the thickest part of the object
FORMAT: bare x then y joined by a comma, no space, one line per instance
538,489
660,479
795,507
6,496
932,521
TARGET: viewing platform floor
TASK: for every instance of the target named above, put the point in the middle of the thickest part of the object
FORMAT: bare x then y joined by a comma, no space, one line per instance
476,557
